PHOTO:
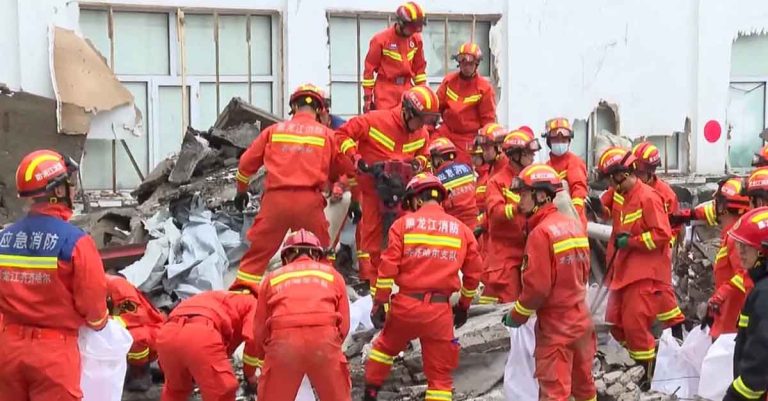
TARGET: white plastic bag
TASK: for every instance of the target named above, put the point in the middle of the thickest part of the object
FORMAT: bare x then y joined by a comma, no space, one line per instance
305,391
717,368
360,315
103,358
678,367
520,384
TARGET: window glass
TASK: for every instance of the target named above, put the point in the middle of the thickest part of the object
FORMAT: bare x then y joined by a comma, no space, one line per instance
94,25
434,47
170,120
749,56
141,43
340,31
233,47
199,45
261,45
746,118
344,99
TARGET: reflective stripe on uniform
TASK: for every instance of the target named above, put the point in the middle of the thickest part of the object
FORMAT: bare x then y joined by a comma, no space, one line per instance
363,255
120,321
618,199
438,395
459,182
414,146
392,54
509,211
745,391
669,315
385,283
519,308
299,139
242,177
348,144
468,293
29,262
252,361
577,202
412,53
481,189
248,277
419,78
633,217
738,282
709,212
135,356
570,243
380,357
473,99
382,139
743,320
368,83
434,240
300,274
643,355
721,253
511,196
451,94
98,322
648,240
487,300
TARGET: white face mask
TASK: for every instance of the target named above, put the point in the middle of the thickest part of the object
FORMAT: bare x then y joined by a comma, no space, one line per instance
559,149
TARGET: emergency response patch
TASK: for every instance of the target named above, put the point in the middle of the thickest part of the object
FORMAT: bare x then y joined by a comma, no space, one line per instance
393,46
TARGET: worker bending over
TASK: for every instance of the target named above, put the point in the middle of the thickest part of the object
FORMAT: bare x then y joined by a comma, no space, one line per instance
458,178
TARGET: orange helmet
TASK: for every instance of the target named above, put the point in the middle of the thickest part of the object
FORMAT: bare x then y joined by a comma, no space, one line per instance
757,183
537,176
442,147
519,140
752,229
424,182
41,171
615,160
558,127
730,196
301,240
421,101
487,135
761,158
647,155
469,52
309,94
412,15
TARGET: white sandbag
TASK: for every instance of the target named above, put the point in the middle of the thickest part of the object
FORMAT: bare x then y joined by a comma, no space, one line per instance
678,367
519,381
103,359
305,391
717,368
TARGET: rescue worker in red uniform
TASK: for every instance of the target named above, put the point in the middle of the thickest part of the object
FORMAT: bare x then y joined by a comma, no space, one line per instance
194,345
648,159
427,250
51,284
458,178
751,351
302,316
487,158
554,279
639,259
761,157
380,137
395,61
467,101
559,134
506,226
129,307
301,156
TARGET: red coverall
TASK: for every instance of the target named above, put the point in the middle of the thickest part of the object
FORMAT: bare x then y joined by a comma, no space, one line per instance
732,284
572,169
378,136
132,309
427,248
506,240
301,321
394,63
459,179
51,284
641,272
554,280
466,105
300,155
195,343
484,173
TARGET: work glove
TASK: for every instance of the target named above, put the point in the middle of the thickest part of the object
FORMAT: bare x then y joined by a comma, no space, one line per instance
367,104
621,241
360,164
508,321
478,231
241,201
378,315
459,316
680,218
355,213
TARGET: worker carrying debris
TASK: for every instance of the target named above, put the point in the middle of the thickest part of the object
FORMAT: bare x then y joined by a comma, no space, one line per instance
301,156
555,271
750,359
301,320
52,284
129,307
506,226
427,249
648,159
194,345
458,178
558,133
467,101
487,158
638,271
395,61
388,147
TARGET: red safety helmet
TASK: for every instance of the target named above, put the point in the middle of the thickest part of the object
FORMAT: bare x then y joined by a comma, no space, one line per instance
615,160
424,182
558,127
301,240
41,171
537,176
421,101
442,147
647,156
757,183
486,136
412,15
752,229
761,158
469,52
309,94
519,140
730,196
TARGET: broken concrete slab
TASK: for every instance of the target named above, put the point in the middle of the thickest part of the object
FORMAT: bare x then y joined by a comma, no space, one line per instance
238,112
156,177
239,136
193,150
468,382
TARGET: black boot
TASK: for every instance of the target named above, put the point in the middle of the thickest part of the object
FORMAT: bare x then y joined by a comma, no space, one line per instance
371,392
645,382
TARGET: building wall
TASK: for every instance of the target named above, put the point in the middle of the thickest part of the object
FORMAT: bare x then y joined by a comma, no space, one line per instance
658,62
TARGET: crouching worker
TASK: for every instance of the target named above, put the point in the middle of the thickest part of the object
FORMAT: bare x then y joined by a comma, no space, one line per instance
194,345
554,277
301,321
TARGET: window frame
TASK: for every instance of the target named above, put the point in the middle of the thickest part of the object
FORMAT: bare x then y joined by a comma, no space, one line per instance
741,79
